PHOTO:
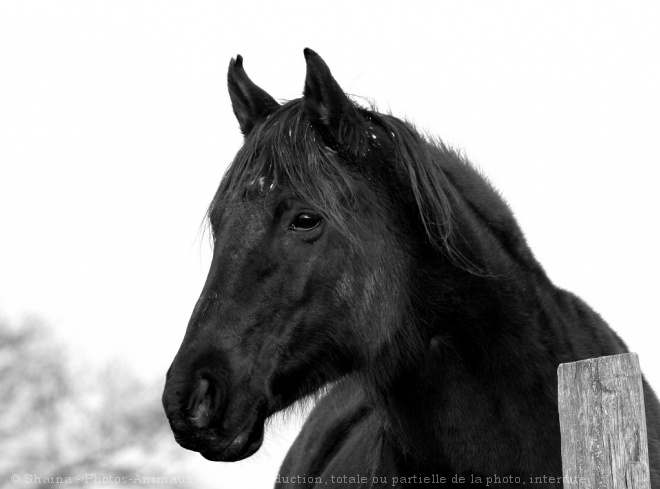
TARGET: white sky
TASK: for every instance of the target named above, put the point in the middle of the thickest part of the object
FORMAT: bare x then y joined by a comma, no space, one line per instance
115,128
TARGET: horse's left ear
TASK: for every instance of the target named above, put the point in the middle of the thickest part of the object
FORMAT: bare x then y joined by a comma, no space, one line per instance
324,98
250,103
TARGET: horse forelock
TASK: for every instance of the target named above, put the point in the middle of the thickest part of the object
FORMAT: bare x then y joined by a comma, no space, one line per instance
285,151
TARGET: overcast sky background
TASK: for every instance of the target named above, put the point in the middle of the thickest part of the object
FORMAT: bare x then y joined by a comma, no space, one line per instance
116,127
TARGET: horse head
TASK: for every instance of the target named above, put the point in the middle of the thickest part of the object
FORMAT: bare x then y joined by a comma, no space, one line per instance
309,264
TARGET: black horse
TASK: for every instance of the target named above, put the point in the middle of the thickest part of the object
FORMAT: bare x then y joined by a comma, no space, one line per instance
378,273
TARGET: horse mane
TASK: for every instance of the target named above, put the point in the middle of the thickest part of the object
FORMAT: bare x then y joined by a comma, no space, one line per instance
289,148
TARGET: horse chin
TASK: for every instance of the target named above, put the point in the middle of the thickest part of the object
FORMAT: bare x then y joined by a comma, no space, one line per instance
243,446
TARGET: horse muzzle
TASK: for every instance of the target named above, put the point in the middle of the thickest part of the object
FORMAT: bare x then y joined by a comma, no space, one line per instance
219,427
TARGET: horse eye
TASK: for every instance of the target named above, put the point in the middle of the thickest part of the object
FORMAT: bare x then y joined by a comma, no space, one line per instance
305,221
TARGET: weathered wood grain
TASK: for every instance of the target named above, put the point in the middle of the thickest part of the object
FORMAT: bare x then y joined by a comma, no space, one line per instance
603,424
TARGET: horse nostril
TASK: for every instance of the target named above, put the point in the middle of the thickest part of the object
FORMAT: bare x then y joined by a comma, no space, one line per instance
200,406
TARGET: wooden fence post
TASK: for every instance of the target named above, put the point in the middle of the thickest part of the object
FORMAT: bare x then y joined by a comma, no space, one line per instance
603,424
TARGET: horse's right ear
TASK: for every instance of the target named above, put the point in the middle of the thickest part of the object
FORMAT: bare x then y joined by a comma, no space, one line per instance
324,98
250,103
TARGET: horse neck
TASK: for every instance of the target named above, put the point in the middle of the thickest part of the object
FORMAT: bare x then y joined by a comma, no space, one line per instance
483,294
483,357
